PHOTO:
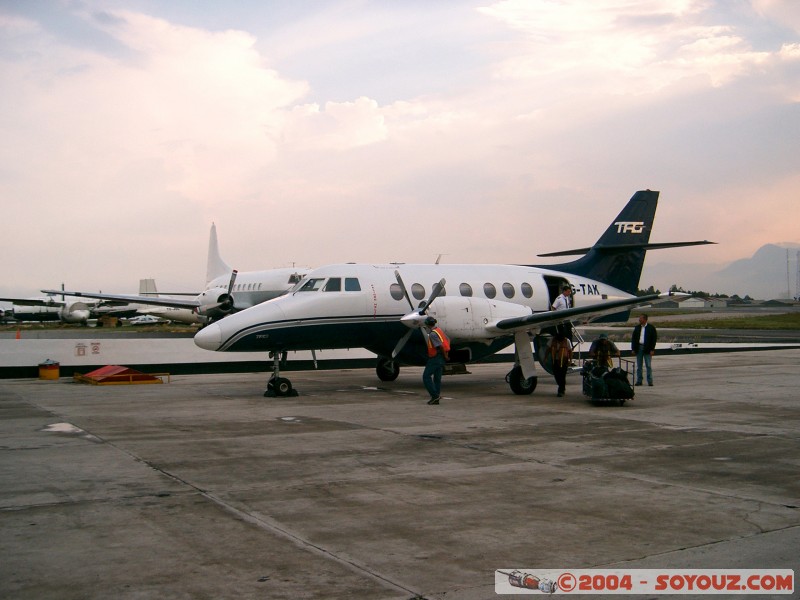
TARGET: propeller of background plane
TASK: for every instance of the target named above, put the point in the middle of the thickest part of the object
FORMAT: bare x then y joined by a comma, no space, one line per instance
416,318
225,302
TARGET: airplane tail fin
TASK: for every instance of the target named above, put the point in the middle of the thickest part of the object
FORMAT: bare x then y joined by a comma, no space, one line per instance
617,257
216,267
147,287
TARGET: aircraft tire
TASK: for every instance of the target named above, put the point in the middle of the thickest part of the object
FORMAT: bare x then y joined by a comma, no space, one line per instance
282,386
387,369
519,384
279,386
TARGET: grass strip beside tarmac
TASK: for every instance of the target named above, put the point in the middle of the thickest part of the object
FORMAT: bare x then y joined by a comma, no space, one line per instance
788,321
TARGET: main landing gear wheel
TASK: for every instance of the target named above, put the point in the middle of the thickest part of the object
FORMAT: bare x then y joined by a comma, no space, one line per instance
519,384
387,369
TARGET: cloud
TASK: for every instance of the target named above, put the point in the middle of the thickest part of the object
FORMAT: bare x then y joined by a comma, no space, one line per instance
341,125
552,108
786,12
634,46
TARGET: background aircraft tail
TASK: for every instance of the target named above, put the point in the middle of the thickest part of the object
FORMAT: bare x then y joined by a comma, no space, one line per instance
216,267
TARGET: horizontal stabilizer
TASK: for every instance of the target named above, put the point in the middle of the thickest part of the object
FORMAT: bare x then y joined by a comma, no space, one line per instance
581,251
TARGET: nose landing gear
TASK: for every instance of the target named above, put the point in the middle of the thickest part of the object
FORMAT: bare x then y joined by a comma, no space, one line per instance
277,386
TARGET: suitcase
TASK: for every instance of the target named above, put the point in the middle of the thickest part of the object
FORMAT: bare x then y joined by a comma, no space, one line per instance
604,385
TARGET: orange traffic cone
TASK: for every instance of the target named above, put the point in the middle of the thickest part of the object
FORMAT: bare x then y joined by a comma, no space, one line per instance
18,336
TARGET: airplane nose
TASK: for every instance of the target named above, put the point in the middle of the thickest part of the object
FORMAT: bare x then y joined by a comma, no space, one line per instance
209,337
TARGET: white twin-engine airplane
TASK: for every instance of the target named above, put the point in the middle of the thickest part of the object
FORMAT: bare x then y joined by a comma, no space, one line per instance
482,308
56,306
227,290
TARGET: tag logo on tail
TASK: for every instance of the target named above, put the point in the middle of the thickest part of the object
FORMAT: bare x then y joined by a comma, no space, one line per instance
629,226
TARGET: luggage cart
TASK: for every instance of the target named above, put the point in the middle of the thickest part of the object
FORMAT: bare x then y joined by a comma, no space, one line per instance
608,386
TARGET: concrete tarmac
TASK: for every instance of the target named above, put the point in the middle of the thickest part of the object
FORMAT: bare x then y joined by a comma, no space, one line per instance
202,488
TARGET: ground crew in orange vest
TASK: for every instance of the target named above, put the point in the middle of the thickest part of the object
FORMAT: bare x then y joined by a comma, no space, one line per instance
438,354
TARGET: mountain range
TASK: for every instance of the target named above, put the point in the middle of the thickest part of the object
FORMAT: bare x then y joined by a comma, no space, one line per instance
763,276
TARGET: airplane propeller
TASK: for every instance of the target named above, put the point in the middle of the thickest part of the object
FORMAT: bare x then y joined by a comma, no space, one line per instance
225,301
226,304
416,318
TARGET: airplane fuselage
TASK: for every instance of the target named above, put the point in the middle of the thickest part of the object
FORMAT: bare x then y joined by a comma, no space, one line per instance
46,308
482,308
358,305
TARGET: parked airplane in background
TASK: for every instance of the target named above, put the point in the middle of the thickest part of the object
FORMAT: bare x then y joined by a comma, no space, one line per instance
227,290
147,287
482,308
55,306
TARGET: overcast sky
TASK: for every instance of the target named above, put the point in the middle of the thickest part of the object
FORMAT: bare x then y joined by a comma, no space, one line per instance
332,131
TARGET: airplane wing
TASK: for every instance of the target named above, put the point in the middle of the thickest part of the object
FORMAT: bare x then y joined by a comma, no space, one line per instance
554,317
35,301
117,298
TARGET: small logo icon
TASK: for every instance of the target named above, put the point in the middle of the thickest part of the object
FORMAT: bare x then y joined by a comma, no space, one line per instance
530,582
629,226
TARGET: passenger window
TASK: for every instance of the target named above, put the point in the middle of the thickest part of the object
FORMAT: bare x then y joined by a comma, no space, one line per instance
312,285
396,291
489,290
417,291
334,285
527,290
508,290
351,284
465,289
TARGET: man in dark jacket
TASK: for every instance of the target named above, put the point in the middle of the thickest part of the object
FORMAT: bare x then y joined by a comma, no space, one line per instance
643,344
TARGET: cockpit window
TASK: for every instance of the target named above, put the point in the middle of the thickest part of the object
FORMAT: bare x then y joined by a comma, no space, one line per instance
334,285
351,284
312,285
295,278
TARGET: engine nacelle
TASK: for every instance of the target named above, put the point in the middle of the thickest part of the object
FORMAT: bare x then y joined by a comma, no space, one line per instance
472,319
216,302
75,312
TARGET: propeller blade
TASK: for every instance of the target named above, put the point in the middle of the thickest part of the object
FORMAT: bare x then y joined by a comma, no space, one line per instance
403,287
401,343
437,290
233,280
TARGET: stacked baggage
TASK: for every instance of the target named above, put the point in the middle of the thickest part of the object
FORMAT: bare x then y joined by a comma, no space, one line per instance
605,385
